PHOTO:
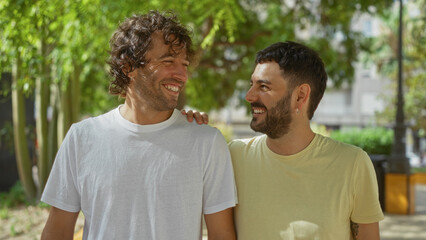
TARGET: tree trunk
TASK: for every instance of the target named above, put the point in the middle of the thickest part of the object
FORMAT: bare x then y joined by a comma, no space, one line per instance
53,127
64,113
69,110
42,102
75,93
21,146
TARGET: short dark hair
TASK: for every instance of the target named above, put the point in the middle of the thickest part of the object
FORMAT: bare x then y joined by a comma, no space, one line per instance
299,65
131,41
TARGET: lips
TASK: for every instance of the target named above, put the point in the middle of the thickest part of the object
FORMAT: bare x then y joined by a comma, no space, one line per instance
258,111
173,86
258,108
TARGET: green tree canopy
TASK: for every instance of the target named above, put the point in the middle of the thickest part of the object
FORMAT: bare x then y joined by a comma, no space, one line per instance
385,49
59,49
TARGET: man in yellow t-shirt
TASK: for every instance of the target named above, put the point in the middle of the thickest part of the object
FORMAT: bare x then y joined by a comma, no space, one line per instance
291,182
294,184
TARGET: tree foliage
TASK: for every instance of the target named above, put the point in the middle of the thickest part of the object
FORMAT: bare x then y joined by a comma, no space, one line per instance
62,47
385,49
328,26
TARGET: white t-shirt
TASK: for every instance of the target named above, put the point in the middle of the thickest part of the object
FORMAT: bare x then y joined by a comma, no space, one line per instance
141,181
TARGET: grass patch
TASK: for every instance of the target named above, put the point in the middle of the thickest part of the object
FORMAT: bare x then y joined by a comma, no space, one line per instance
418,170
4,213
43,205
12,231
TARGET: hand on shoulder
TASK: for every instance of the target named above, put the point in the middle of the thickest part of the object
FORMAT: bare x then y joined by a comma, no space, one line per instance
200,117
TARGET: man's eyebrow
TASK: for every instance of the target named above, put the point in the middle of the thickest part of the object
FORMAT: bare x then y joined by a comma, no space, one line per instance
169,54
165,55
262,81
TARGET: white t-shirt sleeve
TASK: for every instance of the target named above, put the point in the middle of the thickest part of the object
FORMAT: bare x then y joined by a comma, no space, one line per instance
61,189
219,185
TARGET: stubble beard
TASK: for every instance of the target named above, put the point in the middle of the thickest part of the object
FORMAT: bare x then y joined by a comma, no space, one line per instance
277,120
150,92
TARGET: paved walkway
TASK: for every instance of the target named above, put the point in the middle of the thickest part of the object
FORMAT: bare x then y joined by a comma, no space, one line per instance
413,227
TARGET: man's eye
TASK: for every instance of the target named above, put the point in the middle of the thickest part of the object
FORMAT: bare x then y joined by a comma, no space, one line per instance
264,87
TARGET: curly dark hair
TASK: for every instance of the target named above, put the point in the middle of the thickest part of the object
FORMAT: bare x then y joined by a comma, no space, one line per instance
299,65
131,41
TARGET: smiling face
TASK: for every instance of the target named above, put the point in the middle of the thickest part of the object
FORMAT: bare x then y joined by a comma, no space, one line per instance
270,100
158,83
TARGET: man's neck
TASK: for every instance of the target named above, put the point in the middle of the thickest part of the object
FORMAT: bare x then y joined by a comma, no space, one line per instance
291,143
143,115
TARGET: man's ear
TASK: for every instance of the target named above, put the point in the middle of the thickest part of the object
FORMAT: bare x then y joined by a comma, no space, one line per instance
302,95
126,69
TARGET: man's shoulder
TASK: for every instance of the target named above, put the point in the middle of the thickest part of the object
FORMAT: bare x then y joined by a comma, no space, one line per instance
335,144
340,148
238,144
89,124
199,129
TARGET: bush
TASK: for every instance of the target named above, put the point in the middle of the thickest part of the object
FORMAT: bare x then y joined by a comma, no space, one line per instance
371,140
15,197
418,170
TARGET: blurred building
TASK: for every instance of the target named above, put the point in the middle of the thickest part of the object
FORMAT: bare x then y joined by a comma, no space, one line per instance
354,105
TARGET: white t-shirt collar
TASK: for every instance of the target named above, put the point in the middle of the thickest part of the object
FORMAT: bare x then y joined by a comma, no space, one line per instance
144,128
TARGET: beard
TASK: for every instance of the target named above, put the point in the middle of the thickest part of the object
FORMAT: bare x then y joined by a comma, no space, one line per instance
154,96
148,90
277,120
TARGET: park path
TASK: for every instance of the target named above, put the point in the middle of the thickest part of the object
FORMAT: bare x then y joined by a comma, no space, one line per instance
413,227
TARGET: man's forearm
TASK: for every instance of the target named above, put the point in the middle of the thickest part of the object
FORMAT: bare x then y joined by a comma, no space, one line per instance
60,225
222,236
369,231
49,235
220,225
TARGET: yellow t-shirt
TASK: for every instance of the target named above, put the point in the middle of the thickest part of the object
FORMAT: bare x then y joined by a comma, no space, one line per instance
309,195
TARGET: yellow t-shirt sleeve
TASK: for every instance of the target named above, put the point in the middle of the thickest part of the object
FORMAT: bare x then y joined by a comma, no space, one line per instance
366,205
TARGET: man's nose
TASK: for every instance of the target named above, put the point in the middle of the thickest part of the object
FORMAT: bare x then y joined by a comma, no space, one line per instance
180,72
250,95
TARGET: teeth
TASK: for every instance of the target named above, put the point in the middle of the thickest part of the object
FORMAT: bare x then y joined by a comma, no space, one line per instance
172,88
258,111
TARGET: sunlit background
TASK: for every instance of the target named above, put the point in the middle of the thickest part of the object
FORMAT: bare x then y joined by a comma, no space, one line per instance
53,73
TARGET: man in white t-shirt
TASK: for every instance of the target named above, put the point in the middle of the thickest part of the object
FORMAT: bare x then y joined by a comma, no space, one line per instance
141,171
